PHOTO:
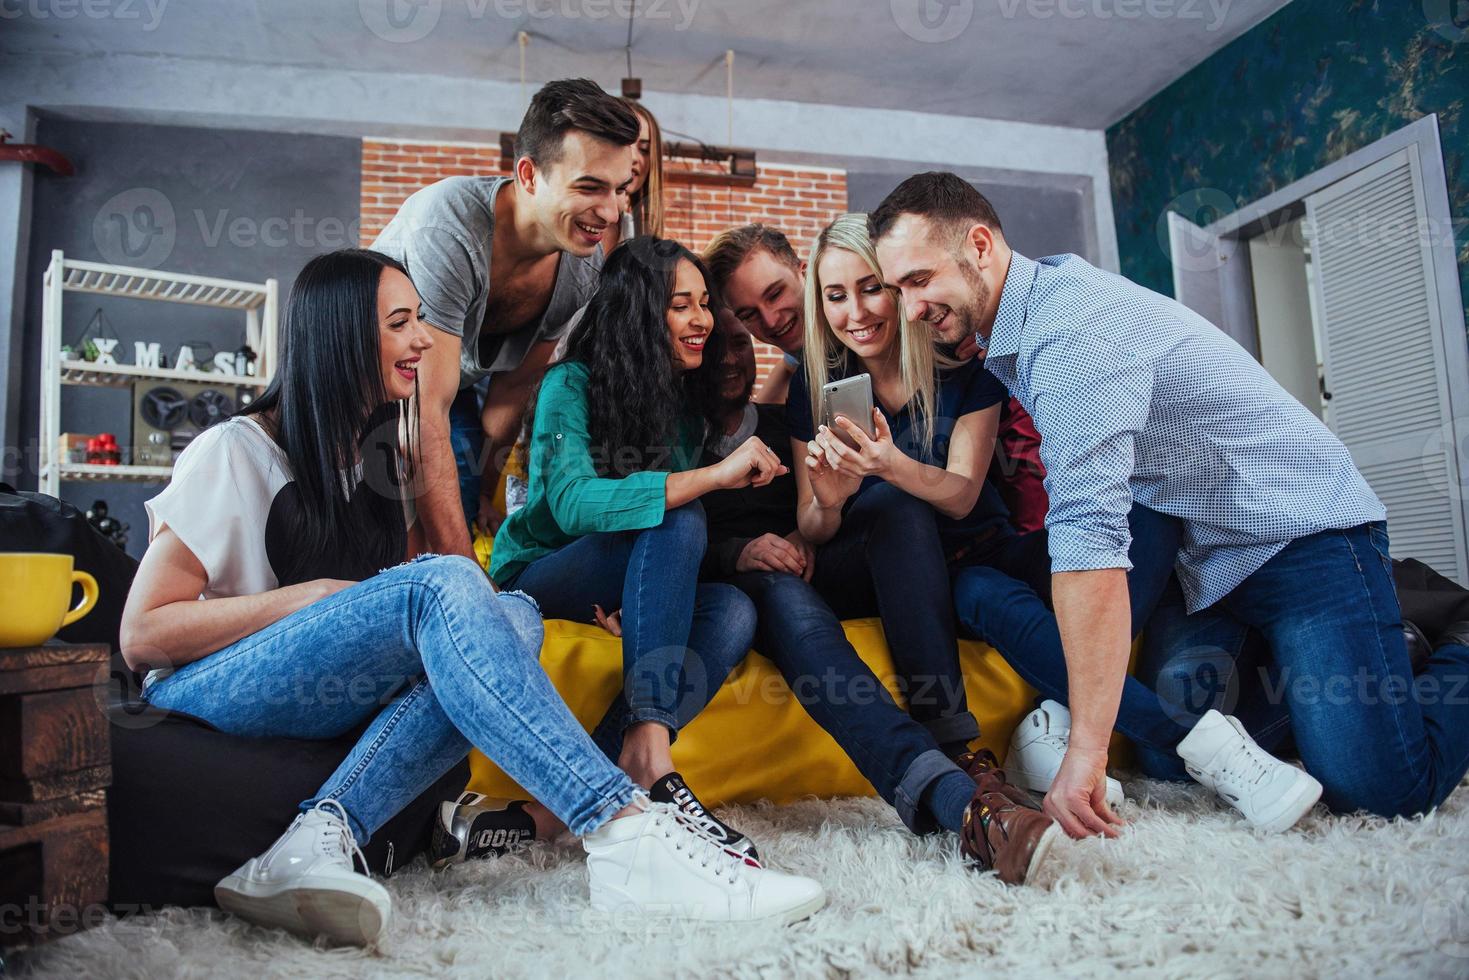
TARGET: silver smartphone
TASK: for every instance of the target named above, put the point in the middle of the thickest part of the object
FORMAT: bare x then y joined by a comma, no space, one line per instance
850,398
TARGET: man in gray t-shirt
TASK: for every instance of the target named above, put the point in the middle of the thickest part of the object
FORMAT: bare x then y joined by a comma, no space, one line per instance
444,235
502,265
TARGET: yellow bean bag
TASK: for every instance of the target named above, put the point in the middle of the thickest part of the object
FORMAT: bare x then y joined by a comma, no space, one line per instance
754,741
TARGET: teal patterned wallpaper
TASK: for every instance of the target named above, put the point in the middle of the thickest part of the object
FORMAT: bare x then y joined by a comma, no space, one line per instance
1310,84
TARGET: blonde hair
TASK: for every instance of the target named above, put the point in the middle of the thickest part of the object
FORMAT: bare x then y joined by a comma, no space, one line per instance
918,362
647,204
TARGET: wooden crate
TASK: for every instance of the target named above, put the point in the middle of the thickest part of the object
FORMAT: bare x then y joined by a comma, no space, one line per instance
55,765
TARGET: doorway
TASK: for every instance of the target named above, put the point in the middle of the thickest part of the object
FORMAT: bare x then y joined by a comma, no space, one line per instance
1345,286
1290,346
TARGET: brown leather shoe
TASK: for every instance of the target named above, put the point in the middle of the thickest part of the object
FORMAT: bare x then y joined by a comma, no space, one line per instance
1004,828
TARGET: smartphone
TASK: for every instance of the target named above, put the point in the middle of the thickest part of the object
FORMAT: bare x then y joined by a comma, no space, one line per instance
852,399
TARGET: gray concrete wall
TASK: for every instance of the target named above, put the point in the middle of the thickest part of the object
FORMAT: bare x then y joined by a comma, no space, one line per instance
215,202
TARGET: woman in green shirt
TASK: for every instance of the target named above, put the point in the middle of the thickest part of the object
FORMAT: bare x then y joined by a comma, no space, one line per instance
613,521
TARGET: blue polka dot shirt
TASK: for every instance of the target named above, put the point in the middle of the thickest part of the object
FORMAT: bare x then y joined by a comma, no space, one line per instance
1139,399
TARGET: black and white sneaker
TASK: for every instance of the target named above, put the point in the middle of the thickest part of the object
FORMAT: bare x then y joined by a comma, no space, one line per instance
672,789
475,826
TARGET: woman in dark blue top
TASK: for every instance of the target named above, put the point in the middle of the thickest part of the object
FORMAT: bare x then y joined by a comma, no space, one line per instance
963,398
888,515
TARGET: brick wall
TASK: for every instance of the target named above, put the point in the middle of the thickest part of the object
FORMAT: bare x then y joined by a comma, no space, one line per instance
392,171
798,201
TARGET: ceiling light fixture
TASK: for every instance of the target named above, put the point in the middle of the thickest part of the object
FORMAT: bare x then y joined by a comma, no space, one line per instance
741,167
632,88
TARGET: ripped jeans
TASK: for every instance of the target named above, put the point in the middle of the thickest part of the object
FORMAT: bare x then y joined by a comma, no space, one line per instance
440,662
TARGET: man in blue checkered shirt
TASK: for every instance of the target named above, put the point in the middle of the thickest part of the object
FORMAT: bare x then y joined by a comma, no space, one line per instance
1282,610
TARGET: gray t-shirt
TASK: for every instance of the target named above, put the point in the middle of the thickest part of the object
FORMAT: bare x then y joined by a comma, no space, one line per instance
442,234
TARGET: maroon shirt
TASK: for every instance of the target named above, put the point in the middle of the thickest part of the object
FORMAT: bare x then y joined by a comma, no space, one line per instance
1018,471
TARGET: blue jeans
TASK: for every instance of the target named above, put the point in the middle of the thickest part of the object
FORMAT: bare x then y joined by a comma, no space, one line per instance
887,559
1311,646
803,637
439,662
997,606
1207,661
680,638
467,439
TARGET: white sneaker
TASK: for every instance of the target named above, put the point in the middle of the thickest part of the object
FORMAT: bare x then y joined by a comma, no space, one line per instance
666,861
307,884
1037,747
1272,795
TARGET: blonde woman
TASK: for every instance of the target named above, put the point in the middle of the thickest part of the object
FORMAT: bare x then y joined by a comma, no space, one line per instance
644,214
889,515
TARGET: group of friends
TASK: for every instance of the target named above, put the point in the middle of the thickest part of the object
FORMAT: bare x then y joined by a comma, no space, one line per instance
1058,461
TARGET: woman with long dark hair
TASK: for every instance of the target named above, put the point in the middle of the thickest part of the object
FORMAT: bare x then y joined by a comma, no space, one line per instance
612,520
279,519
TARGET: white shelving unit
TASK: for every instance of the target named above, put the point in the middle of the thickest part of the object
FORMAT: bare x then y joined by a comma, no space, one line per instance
259,301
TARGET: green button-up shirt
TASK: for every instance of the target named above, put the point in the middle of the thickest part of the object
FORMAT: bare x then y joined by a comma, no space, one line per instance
566,498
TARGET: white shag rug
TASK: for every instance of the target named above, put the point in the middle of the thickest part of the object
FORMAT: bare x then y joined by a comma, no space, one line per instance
1187,891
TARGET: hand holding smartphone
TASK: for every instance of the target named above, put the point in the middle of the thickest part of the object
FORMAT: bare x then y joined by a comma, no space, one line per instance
852,399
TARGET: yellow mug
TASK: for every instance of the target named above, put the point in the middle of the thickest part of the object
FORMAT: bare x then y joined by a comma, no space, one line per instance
35,593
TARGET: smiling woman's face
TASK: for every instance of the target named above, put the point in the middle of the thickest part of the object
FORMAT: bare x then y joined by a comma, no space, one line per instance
862,312
402,335
642,162
689,317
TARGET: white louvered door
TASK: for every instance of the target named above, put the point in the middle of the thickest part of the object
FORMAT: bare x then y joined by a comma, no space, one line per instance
1374,292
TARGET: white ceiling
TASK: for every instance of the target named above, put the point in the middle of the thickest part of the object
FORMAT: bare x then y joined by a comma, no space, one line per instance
1082,63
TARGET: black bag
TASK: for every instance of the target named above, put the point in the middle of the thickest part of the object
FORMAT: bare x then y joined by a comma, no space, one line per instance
1428,600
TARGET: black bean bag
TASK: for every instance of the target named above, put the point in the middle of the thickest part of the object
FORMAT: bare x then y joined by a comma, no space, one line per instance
188,804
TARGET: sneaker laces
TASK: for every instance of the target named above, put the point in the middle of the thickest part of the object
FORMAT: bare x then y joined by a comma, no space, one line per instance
336,835
1248,764
704,830
336,839
1057,741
